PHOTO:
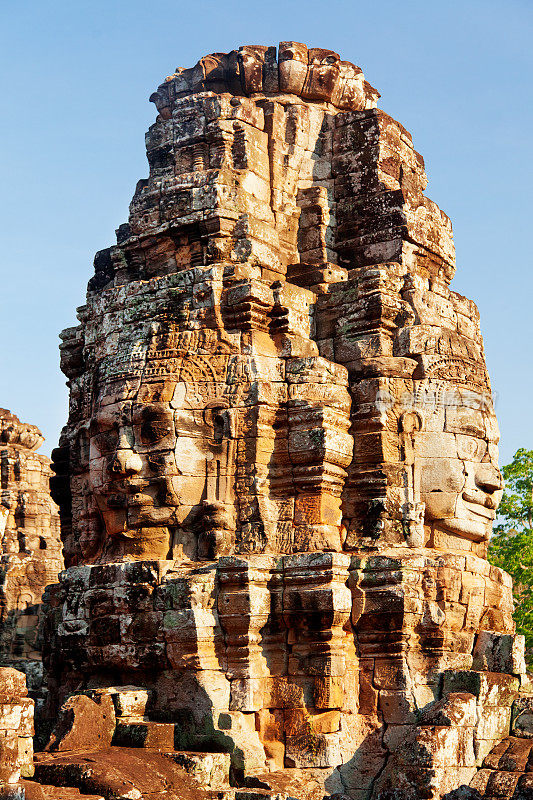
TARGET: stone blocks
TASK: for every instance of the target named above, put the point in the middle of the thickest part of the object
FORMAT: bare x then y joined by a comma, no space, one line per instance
16,729
30,544
279,473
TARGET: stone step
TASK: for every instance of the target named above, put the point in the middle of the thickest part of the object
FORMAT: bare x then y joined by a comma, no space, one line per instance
133,772
150,735
210,770
36,791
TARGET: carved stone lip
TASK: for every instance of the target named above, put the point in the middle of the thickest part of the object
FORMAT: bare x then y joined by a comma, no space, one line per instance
473,527
150,515
130,486
123,500
475,507
132,530
140,499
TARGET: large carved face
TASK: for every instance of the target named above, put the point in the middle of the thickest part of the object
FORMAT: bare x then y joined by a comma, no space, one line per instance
322,74
251,61
350,88
292,61
456,458
158,466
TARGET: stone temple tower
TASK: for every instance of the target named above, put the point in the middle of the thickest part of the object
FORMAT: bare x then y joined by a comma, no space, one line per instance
30,544
279,472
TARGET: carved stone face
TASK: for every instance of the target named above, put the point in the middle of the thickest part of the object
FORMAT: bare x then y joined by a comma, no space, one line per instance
151,458
460,482
323,74
292,60
252,60
350,87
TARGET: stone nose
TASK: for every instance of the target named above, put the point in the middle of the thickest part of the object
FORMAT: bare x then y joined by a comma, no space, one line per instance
488,478
126,462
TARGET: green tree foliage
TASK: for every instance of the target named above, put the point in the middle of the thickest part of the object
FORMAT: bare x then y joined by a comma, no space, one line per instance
511,546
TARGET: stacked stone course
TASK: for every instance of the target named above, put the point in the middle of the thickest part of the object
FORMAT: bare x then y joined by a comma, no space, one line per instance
279,472
16,732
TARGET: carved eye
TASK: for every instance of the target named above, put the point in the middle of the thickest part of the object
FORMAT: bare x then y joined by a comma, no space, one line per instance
154,427
106,441
470,448
287,55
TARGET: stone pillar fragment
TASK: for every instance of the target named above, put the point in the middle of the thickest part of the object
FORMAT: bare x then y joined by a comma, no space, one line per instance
16,730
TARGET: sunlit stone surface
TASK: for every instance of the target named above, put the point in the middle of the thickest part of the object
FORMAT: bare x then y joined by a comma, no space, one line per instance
279,472
30,544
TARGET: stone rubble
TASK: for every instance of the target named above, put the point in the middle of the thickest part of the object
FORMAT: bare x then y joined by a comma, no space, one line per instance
279,472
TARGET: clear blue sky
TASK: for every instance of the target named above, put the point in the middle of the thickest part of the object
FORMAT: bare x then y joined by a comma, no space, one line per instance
76,79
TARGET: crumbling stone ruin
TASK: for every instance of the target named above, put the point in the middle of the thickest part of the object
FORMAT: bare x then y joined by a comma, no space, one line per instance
279,472
30,544
16,732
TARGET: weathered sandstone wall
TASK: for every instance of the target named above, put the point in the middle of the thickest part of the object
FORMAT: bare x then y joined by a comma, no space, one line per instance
30,544
279,472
